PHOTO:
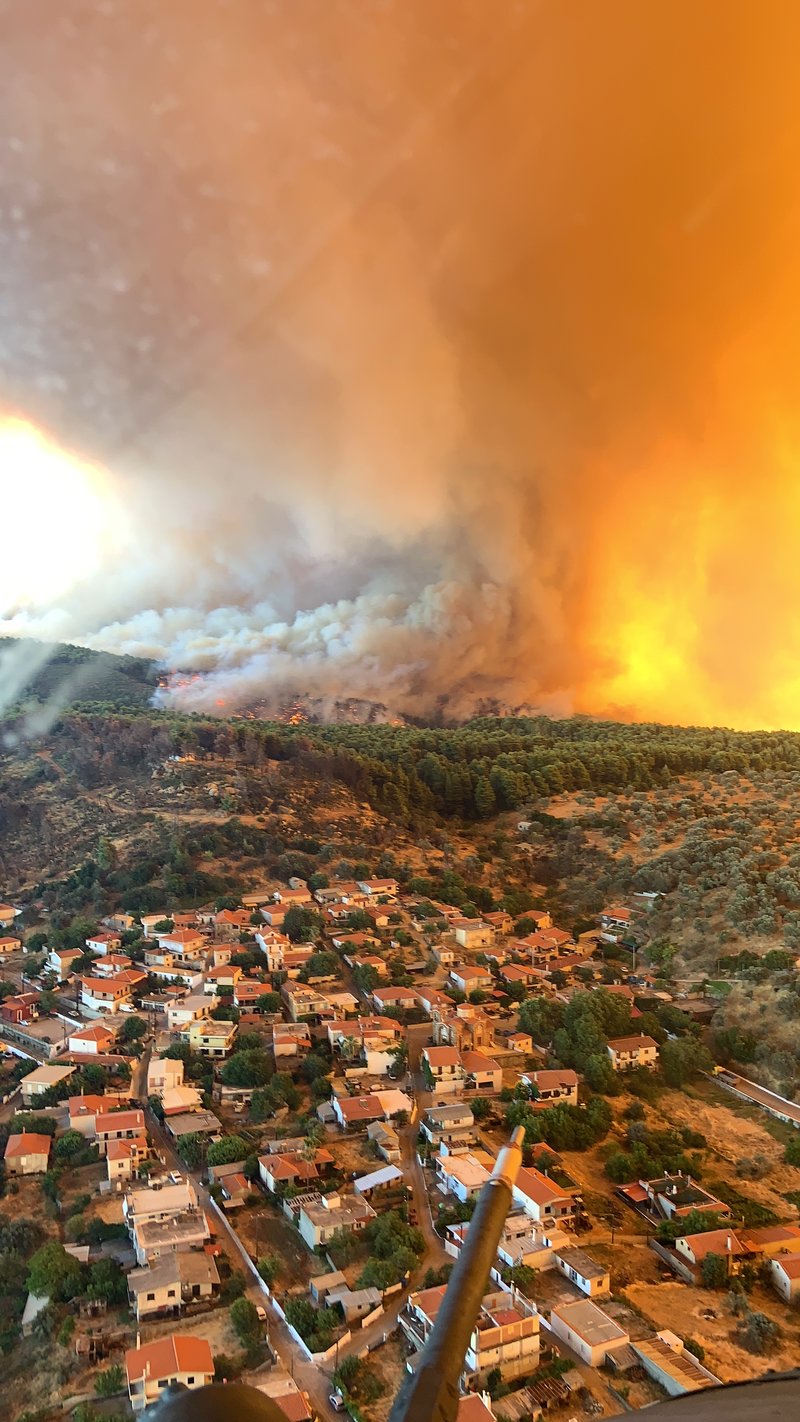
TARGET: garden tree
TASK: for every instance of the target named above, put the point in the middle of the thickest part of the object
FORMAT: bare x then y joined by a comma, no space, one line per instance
111,1381
320,965
133,1028
681,1061
285,1089
54,1274
541,1018
269,1002
244,1318
227,1150
31,1121
315,1326
264,1102
714,1271
302,925
69,1146
599,1074
192,1148
359,921
107,1281
563,1127
317,881
248,1042
269,1266
248,1068
481,1107
791,1153
365,977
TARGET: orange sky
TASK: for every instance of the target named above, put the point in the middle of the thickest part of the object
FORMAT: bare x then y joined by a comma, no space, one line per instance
452,348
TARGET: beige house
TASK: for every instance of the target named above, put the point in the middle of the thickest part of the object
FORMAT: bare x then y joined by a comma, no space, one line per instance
179,1359
629,1052
41,1079
171,1282
122,1159
443,1065
473,933
505,1336
120,1126
27,1153
163,1074
209,1037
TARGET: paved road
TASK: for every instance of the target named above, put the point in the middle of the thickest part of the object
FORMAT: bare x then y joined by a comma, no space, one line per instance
139,1075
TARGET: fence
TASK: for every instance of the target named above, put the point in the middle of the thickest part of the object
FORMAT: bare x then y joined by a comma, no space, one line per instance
683,1270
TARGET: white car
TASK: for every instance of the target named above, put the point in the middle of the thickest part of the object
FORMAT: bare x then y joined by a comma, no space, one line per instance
336,1401
262,1313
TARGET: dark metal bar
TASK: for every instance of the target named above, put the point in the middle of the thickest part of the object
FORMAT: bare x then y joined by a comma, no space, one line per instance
432,1394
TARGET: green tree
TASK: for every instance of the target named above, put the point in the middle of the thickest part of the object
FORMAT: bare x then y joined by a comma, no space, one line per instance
227,1150
68,1147
109,1382
245,1321
714,1271
485,802
249,1068
132,1029
302,925
107,1281
54,1274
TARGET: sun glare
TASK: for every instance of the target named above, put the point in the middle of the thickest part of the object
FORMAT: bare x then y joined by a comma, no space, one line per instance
58,514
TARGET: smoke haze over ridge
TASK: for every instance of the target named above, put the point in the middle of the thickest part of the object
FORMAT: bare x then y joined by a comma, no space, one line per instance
433,348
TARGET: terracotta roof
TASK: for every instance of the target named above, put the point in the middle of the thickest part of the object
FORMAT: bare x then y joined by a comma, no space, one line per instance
546,1080
790,1264
96,1033
120,1121
630,1044
120,1150
360,1108
28,1143
442,1056
538,1187
169,1356
715,1241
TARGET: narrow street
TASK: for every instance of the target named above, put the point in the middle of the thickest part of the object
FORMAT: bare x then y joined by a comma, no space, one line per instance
307,1375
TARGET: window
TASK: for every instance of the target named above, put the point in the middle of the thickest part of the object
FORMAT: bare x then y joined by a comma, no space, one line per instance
150,1298
190,1382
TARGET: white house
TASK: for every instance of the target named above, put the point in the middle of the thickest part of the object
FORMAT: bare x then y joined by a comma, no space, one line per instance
442,1065
467,978
591,1278
587,1331
320,1219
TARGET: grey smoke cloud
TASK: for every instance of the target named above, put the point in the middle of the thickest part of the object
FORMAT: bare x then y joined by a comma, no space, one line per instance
372,307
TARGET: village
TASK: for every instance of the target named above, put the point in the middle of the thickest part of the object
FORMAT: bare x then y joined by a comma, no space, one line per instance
248,1141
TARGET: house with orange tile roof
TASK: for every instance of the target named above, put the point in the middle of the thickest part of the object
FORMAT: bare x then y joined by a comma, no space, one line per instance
27,1153
94,1040
181,1359
443,1069
627,1053
122,1159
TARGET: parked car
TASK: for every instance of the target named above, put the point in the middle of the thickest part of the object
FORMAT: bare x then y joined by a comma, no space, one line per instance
336,1401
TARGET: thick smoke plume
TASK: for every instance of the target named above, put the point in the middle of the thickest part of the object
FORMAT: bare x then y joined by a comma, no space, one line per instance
437,350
